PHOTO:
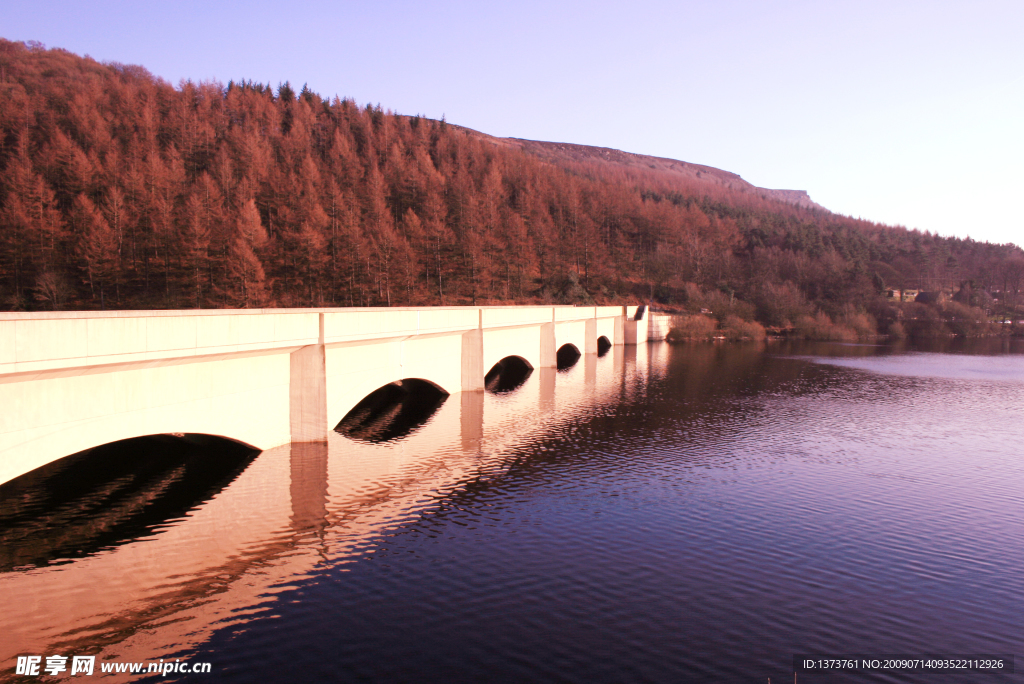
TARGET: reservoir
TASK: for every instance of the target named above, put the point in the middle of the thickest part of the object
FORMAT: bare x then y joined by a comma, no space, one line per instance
658,513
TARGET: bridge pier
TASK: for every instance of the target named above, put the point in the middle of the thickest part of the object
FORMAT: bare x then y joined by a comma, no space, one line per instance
307,394
548,350
473,361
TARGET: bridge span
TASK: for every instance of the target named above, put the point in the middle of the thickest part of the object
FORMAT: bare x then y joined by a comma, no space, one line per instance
70,381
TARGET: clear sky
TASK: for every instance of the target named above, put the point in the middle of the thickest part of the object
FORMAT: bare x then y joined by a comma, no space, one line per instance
906,113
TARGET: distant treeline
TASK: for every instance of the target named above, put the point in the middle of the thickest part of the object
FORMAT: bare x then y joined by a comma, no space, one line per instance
119,190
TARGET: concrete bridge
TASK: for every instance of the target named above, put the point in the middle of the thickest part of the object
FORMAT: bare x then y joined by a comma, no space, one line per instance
71,381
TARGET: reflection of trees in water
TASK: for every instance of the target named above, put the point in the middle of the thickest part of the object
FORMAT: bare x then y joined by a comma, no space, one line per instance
705,373
970,345
937,345
111,495
699,390
392,411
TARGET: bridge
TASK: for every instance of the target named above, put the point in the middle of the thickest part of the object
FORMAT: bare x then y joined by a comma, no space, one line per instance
292,511
70,381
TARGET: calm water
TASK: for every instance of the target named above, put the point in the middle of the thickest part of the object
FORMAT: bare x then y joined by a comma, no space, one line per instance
662,514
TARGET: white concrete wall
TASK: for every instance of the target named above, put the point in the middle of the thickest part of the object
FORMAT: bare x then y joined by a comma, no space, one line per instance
497,317
365,324
74,380
38,342
355,369
47,415
524,342
658,326
606,324
572,332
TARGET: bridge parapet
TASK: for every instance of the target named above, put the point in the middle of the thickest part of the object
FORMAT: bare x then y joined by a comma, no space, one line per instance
33,342
573,313
366,324
500,317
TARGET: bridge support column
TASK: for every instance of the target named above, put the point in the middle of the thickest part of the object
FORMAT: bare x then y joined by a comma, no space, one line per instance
548,353
636,327
308,394
619,334
473,361
629,335
590,344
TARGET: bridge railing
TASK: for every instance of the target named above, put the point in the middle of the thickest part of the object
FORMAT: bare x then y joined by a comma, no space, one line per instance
42,341
367,324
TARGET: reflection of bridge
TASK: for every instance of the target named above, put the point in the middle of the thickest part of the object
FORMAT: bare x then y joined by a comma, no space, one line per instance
75,380
294,512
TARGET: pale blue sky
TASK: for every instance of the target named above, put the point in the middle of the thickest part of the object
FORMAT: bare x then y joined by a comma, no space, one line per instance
907,113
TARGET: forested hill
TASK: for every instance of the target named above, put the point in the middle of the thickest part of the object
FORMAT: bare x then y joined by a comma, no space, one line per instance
119,190
566,153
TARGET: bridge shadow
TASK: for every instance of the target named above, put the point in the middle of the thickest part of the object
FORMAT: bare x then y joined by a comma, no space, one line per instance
111,495
392,411
507,375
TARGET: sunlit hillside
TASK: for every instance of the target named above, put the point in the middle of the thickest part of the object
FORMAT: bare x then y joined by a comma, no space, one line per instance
120,190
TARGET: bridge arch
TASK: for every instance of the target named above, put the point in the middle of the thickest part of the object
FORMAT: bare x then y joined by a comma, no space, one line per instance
242,397
112,494
567,356
524,343
355,371
603,345
508,374
392,411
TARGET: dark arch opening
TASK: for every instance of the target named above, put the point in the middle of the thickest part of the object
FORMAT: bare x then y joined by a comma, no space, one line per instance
392,411
508,374
603,345
112,495
567,356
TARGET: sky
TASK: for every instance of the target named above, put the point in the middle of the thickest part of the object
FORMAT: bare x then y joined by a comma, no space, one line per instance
904,113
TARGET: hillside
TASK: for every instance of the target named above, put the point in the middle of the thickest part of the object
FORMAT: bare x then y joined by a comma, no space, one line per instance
563,154
118,190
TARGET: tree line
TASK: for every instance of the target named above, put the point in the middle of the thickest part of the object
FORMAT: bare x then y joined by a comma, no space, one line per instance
119,190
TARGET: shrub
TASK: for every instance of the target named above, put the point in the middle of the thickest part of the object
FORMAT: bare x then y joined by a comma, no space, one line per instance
777,305
691,328
861,323
897,331
884,310
967,321
719,303
735,328
821,327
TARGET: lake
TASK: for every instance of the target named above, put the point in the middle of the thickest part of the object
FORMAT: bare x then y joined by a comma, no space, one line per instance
662,513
